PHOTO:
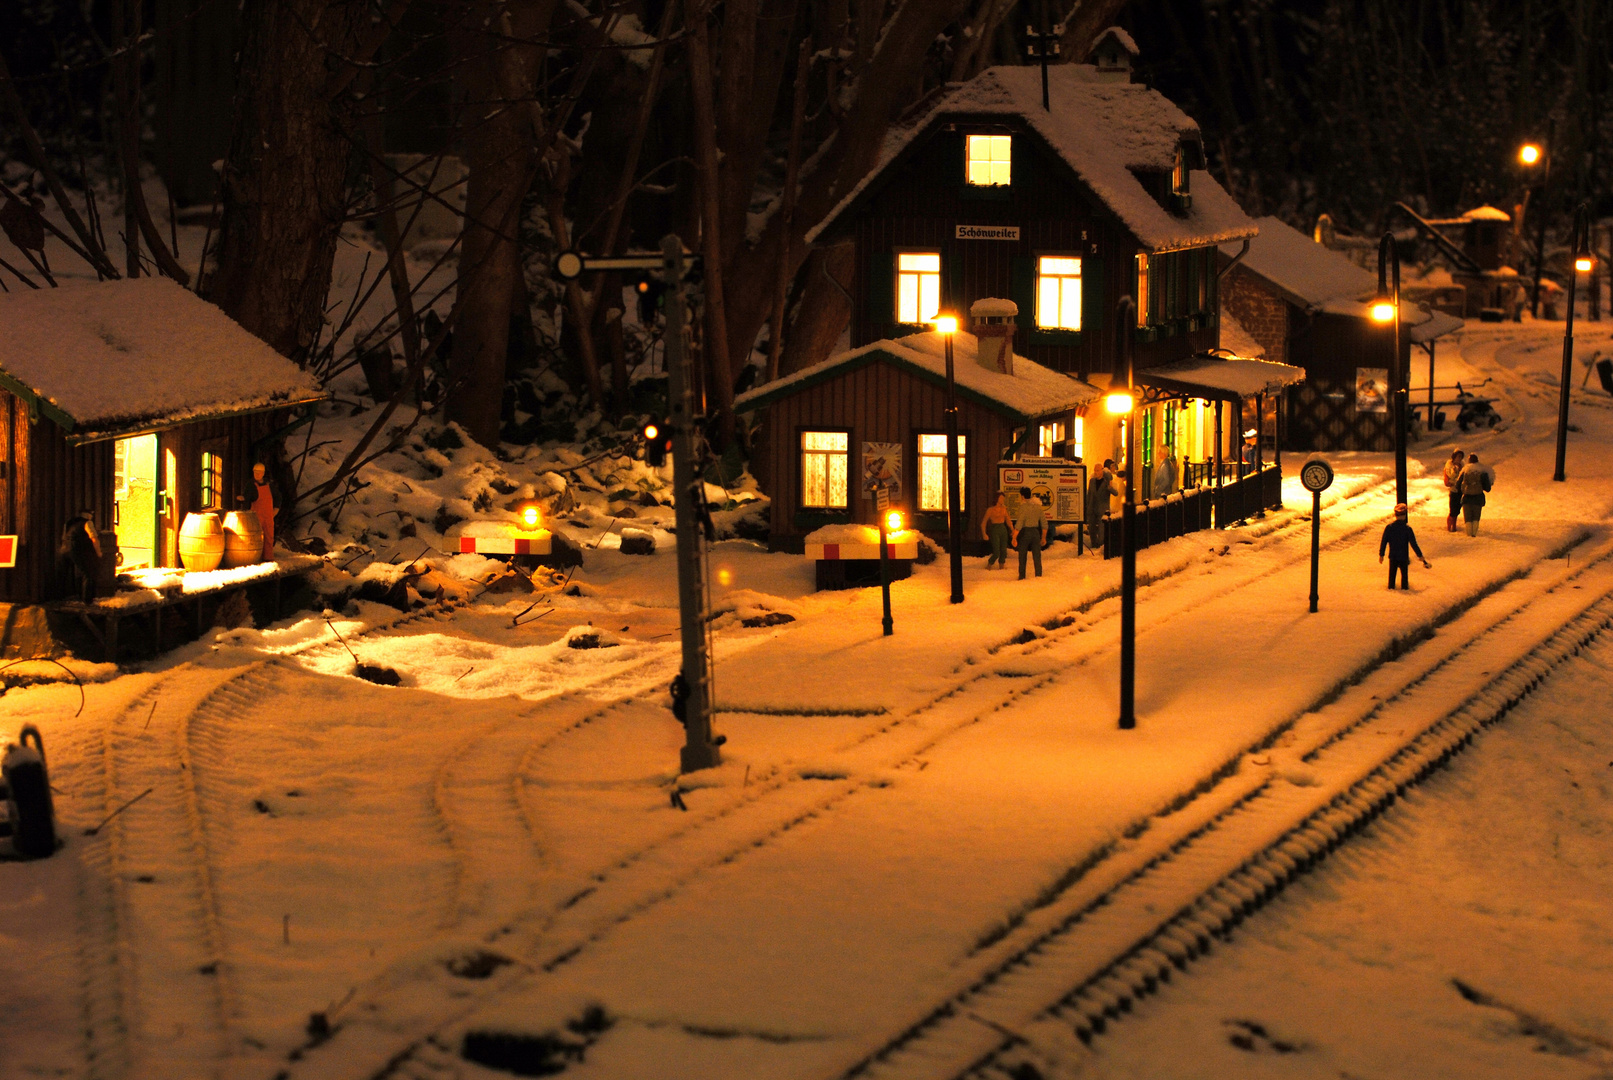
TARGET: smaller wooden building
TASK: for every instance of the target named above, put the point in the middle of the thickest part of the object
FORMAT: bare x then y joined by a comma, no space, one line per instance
832,432
135,401
1308,306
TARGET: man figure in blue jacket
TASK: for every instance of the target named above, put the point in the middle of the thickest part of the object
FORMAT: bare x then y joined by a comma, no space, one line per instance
1401,542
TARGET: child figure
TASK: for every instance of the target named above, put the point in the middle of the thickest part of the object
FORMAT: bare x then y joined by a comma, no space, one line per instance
1401,542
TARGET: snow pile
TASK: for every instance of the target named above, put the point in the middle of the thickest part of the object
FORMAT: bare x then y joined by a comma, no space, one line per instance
117,354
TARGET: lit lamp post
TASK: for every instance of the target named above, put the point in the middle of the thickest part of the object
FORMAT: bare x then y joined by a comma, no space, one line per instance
1386,309
1584,261
1532,156
946,326
891,521
1123,402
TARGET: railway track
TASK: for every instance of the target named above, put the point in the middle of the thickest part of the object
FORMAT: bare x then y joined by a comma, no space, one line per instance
1192,876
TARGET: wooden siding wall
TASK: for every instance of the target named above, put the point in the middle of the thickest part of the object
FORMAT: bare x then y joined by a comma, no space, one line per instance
879,403
57,481
922,202
1321,410
236,434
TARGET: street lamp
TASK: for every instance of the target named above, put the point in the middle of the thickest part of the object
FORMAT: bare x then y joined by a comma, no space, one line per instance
1580,241
888,522
1531,155
1386,309
1123,403
946,326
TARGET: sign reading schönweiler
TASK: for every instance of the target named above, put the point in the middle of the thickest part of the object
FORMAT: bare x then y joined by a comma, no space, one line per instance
988,232
1060,484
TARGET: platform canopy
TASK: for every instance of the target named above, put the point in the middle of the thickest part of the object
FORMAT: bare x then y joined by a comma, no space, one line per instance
109,359
1226,378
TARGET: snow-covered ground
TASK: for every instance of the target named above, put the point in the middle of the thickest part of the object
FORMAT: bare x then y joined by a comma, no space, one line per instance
319,876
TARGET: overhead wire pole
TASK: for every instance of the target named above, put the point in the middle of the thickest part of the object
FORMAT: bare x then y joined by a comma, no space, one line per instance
1117,403
1582,261
692,688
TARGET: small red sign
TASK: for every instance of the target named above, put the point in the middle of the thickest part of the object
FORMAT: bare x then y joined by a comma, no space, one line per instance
8,552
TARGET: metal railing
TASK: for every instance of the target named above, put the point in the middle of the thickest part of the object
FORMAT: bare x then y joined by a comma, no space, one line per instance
1198,507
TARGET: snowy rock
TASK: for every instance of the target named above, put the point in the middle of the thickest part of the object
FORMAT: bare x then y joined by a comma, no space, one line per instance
637,542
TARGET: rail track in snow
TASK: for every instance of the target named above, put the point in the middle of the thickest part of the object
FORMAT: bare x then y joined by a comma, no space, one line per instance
1193,875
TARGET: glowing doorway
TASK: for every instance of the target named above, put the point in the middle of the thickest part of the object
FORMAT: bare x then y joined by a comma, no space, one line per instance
135,501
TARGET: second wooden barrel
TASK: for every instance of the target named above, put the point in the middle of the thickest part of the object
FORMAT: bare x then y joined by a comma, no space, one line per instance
243,538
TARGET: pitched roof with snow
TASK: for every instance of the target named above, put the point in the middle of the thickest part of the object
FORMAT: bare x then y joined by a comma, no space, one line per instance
117,357
1303,271
1102,131
1031,391
1231,378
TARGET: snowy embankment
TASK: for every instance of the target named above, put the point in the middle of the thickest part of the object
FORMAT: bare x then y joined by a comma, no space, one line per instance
889,807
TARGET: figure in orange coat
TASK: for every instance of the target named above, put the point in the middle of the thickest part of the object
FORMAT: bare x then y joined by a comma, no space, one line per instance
263,506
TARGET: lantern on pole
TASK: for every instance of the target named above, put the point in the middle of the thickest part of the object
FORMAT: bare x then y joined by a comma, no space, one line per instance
1584,262
1386,309
947,326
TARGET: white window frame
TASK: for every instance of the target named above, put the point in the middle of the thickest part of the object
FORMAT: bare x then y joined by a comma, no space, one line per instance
1055,276
919,283
825,477
993,165
932,456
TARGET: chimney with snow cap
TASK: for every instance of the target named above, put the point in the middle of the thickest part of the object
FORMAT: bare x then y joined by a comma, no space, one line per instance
1112,54
994,333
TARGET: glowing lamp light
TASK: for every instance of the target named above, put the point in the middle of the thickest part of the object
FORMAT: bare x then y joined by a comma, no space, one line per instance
531,516
1529,154
1584,264
893,521
650,432
1118,403
725,576
1383,311
946,324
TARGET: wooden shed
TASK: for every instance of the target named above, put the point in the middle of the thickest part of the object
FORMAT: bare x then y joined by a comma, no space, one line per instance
136,401
880,412
1308,306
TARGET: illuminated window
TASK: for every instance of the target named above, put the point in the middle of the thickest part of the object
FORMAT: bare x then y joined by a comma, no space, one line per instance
1179,173
1078,438
212,480
989,159
1142,288
1058,292
1049,438
918,286
825,456
933,472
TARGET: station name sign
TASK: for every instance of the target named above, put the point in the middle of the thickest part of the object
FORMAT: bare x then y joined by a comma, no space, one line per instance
988,232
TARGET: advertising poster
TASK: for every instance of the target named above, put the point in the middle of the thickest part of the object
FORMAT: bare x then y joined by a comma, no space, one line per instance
1371,390
882,464
1061,486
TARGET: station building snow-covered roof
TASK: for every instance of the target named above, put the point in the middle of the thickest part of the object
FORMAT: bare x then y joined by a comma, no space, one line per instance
114,358
1031,391
1307,274
1103,130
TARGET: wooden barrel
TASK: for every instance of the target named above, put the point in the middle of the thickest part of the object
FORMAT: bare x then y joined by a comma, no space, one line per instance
201,542
243,538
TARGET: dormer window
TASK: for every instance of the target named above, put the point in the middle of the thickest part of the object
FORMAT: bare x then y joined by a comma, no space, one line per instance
988,160
1179,174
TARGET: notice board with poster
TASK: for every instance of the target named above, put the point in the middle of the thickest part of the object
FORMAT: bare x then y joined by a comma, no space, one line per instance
1371,390
1061,486
882,467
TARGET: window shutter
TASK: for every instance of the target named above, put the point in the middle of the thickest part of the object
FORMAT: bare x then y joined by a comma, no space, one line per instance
1093,297
880,293
1022,291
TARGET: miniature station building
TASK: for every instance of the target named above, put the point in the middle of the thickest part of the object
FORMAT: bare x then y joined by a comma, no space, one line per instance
139,403
1310,307
1059,212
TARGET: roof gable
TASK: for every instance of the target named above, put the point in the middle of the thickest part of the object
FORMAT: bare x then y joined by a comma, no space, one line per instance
1031,391
1307,274
107,358
1104,132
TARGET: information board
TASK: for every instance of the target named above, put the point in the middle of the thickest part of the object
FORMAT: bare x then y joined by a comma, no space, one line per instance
1061,486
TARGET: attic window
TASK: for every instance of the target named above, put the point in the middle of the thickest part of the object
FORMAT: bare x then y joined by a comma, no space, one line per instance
989,159
1058,292
1142,288
1179,174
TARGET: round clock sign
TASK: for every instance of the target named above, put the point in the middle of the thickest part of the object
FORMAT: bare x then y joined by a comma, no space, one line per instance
1317,475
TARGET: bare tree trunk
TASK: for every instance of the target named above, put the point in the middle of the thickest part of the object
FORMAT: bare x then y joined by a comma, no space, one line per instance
285,178
500,71
822,308
719,363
